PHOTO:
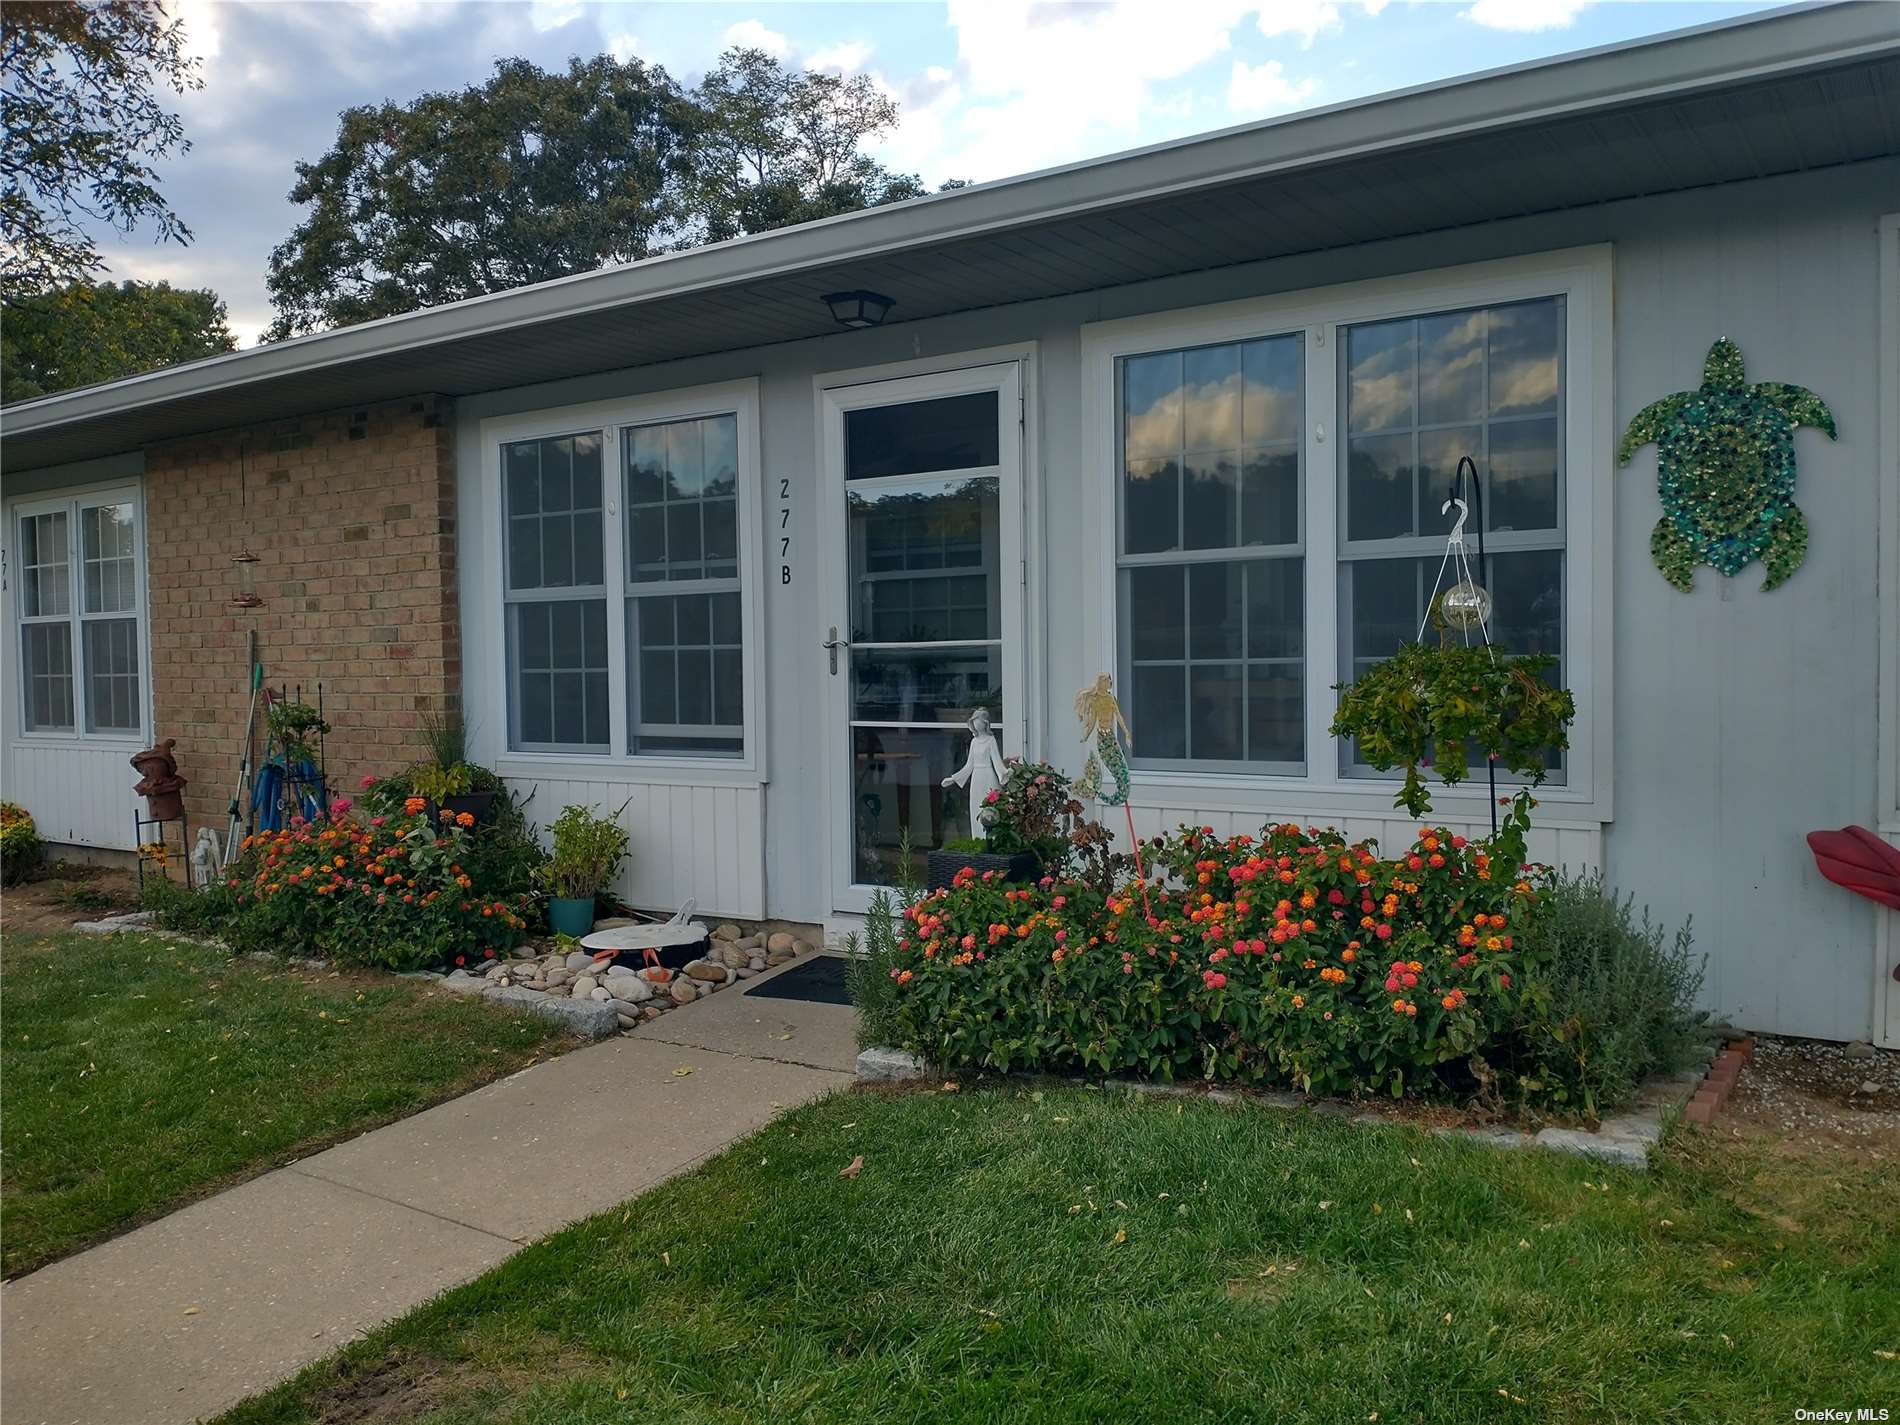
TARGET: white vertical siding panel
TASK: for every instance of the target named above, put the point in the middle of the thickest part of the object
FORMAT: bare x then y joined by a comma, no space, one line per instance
704,844
78,795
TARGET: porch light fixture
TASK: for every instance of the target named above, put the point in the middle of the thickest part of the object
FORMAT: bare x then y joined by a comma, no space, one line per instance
857,310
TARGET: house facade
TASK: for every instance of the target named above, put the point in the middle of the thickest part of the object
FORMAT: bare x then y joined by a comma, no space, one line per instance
677,543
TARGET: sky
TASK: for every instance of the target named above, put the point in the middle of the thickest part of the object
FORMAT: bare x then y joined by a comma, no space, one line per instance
987,88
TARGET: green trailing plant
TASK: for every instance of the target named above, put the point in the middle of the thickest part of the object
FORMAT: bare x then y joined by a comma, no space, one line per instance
293,723
588,850
967,845
1433,708
20,844
1614,1004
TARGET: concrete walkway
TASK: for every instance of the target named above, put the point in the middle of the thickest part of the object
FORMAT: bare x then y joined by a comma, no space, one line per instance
185,1317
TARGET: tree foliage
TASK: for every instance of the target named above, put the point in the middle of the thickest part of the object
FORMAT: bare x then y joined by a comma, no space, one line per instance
83,129
98,331
535,174
783,146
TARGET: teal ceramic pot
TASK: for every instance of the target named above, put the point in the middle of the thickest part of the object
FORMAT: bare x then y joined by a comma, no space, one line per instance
571,916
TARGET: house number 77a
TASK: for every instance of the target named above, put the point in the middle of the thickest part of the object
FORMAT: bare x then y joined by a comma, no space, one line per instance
784,524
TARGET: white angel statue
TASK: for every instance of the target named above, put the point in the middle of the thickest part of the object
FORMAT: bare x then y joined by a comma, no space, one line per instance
982,772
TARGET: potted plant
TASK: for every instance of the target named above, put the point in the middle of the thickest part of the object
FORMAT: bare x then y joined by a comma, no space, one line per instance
588,850
293,723
448,780
1433,707
1026,823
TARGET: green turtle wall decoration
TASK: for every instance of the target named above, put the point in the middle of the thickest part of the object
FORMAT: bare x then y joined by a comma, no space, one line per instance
1725,471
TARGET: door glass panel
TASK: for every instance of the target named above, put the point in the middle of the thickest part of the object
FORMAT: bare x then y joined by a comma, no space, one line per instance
924,609
897,789
935,685
917,437
925,562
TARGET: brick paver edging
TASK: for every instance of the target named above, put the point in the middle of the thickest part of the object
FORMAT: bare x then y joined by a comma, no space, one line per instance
1713,1092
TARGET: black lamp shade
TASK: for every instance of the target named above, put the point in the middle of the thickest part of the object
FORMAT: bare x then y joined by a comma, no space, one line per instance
858,309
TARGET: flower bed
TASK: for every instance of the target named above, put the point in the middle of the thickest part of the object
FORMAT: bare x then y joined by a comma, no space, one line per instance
1292,958
392,891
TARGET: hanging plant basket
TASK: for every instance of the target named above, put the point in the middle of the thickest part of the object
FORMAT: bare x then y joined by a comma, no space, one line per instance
1433,707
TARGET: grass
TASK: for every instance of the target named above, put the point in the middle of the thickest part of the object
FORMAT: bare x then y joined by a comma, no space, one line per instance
1058,1254
141,1073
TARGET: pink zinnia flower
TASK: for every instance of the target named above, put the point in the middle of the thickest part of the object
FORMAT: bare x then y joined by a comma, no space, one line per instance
340,807
368,781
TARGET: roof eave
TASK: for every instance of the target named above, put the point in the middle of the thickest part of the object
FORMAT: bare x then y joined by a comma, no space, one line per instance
1707,57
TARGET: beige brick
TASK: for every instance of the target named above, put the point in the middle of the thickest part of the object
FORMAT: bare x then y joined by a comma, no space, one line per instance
338,591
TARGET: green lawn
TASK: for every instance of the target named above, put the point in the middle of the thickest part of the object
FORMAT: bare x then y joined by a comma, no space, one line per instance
140,1073
1064,1255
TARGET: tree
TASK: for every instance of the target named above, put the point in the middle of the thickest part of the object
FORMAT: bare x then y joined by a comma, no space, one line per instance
529,176
783,146
535,175
82,131
99,331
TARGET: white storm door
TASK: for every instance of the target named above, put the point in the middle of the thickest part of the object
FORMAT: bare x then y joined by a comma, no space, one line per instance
921,512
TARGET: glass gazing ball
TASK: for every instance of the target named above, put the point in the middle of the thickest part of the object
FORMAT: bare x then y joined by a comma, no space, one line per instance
1465,606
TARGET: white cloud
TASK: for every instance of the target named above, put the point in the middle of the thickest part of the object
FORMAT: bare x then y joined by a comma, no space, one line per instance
623,46
202,38
846,58
552,14
753,34
1305,18
1049,83
1257,88
1526,16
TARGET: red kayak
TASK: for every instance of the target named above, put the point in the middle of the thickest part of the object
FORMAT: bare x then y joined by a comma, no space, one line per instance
1857,859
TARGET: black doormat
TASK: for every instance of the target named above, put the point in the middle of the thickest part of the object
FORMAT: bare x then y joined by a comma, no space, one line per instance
820,979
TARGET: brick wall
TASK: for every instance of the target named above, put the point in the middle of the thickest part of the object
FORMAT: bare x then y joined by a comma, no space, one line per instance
352,515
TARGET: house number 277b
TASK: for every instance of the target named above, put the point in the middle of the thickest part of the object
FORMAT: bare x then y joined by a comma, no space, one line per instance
784,526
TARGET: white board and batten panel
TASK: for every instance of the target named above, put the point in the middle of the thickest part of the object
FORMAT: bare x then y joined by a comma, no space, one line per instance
705,844
79,793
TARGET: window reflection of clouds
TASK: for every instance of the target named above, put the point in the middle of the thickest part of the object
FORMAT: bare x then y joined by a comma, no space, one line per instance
1225,413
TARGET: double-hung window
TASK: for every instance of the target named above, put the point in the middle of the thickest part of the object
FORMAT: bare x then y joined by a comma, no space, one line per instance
1279,470
1212,566
80,581
625,602
1419,394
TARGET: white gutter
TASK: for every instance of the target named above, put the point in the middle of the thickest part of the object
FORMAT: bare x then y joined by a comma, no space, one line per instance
1671,66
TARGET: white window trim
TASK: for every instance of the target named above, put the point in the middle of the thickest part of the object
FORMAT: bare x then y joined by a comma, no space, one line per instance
737,398
71,501
1583,277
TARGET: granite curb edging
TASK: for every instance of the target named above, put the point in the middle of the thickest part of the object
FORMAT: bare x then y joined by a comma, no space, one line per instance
1625,1138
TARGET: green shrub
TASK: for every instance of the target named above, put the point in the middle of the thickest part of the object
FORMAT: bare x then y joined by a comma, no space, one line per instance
190,912
20,844
394,892
1614,1004
588,850
870,970
1291,958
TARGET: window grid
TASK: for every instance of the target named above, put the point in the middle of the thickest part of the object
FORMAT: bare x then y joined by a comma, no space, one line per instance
1247,741
1360,556
555,593
685,651
79,619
